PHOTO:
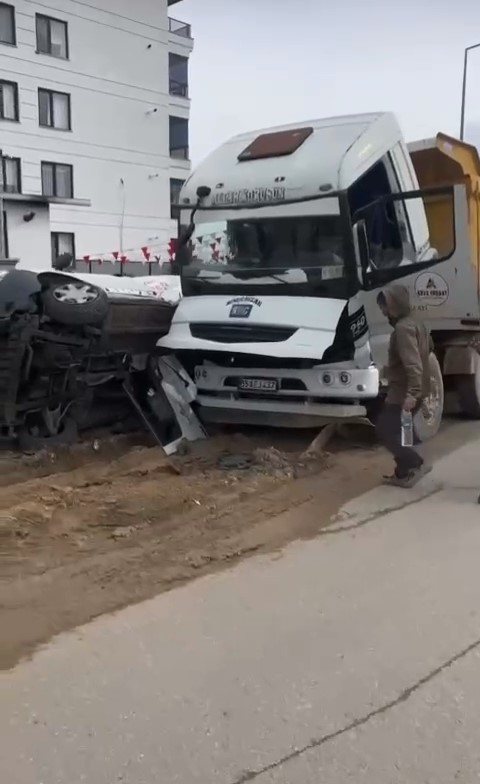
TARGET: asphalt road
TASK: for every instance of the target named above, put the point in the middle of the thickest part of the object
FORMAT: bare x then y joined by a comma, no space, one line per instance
350,658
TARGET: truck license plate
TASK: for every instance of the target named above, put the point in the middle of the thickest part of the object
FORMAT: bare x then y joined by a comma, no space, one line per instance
258,384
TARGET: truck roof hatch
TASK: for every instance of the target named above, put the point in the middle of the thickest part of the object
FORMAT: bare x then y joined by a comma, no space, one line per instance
275,144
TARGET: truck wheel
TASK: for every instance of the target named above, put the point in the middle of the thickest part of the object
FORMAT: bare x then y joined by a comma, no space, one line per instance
468,394
427,420
75,303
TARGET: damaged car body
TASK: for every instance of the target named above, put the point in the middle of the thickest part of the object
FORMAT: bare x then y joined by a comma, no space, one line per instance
72,353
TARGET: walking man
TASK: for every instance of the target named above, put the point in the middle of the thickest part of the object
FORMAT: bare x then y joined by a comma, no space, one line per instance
408,374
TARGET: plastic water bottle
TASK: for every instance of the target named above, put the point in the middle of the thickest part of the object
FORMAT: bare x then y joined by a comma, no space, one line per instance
407,428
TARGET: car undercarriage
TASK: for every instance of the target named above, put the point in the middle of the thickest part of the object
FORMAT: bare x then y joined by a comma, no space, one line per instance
68,353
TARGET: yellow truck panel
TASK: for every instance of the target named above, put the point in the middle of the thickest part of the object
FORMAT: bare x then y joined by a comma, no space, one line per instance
448,161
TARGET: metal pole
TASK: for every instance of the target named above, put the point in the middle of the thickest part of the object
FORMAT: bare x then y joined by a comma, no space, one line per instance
464,89
464,95
3,249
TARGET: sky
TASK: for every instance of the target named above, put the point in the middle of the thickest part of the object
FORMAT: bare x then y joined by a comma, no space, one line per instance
259,63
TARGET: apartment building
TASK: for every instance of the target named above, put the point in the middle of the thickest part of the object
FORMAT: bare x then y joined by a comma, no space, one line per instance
94,109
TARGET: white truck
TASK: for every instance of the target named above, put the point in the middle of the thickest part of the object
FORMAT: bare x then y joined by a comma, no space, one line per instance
288,235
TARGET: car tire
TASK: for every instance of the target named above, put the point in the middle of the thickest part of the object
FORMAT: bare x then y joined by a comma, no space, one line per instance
427,420
75,303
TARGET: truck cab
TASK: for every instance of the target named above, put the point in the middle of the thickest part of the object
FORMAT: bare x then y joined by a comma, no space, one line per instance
288,235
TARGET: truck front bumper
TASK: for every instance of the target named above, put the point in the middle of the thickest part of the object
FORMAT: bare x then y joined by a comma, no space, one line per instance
296,398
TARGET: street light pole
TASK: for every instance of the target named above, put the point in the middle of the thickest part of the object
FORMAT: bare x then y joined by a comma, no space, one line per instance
464,88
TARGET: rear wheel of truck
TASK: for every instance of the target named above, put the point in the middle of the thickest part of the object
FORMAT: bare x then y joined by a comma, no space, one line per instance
75,303
468,395
427,420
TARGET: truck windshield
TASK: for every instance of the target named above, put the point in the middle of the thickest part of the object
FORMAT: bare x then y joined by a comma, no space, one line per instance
266,254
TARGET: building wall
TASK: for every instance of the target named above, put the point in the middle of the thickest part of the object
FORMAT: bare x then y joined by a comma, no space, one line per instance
117,75
28,242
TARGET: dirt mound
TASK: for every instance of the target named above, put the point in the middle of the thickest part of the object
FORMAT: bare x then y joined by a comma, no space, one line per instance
87,530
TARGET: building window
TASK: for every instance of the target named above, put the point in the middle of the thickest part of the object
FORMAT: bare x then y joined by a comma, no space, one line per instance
178,75
62,242
52,36
8,100
175,188
11,175
57,180
8,33
54,110
179,138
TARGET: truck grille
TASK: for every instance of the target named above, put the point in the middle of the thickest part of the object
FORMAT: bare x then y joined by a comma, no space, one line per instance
240,333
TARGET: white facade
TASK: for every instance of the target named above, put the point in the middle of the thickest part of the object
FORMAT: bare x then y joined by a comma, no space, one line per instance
116,73
22,234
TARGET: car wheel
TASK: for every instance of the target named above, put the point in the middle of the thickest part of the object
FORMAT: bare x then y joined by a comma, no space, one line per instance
75,303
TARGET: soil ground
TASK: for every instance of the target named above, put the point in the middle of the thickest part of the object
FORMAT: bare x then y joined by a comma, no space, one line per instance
90,529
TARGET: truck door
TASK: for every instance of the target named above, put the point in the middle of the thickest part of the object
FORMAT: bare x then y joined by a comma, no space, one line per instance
405,181
390,239
441,275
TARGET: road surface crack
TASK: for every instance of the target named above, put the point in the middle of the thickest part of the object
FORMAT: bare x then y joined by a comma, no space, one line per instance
340,529
405,695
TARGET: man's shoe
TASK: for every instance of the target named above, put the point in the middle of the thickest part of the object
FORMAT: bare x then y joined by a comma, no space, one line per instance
411,479
396,481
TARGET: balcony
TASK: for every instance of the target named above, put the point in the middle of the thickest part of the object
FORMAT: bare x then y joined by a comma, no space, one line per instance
178,89
178,75
179,28
178,133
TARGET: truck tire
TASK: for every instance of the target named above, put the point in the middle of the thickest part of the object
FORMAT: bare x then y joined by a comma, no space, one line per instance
468,394
427,420
75,303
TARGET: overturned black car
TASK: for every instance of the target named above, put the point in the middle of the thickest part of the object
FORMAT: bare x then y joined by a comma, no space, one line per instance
68,348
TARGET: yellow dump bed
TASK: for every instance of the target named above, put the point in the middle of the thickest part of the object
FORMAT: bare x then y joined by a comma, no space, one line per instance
448,161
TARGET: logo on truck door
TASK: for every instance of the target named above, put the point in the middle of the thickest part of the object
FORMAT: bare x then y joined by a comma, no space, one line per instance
431,289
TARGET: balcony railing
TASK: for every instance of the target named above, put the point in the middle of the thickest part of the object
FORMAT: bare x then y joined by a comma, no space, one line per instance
7,187
180,89
179,28
180,153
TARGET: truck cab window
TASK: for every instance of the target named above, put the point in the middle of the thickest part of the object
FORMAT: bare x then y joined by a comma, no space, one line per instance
386,233
303,242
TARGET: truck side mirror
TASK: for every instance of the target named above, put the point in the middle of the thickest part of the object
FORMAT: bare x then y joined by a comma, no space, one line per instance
362,251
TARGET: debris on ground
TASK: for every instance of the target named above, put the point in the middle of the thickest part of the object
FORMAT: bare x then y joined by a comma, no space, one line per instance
321,441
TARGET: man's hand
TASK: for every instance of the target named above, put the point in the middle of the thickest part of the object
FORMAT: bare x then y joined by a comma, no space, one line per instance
409,403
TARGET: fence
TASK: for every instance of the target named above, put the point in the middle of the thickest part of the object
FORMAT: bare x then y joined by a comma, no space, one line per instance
128,268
